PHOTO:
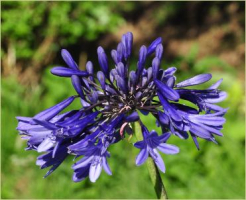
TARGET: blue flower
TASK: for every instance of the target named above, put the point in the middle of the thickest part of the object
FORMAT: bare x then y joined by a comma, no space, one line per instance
94,160
149,146
181,119
110,102
52,160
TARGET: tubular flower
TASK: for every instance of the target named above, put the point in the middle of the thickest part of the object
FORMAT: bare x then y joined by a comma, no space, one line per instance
111,100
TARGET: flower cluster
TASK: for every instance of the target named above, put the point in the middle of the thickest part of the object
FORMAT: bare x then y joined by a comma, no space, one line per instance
111,101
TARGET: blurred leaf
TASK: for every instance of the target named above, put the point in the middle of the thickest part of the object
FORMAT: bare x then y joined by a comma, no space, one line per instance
212,62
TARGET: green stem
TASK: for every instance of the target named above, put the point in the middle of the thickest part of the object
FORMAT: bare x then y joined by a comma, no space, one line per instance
153,171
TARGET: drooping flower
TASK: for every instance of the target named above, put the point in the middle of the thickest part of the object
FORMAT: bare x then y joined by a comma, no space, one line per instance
111,100
94,160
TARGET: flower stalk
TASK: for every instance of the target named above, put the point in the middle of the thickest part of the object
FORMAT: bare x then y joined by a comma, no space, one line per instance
154,174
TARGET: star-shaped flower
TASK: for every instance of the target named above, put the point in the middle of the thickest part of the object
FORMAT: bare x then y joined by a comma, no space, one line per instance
149,146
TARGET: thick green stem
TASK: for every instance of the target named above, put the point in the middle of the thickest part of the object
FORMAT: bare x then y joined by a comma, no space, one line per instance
153,171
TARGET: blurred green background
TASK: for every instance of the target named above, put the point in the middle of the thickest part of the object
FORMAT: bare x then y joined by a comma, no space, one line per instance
198,37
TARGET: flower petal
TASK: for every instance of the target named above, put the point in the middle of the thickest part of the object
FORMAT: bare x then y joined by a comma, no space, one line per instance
101,79
196,80
106,166
153,45
81,174
168,148
155,67
163,118
77,85
213,121
121,69
122,84
114,56
166,106
142,156
54,110
158,160
132,117
159,51
132,78
45,145
68,59
140,145
103,61
216,85
66,72
82,162
142,59
120,52
221,97
166,91
214,107
127,40
164,137
200,132
170,71
194,137
211,129
95,171
89,68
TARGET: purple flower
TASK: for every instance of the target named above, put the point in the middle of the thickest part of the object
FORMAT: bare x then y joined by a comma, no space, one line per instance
94,160
52,160
149,146
66,72
110,102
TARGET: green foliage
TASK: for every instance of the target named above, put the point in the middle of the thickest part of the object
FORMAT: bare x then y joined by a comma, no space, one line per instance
211,61
67,21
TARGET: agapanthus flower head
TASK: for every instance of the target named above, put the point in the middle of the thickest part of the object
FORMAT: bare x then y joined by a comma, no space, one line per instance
111,101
